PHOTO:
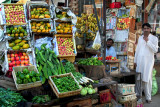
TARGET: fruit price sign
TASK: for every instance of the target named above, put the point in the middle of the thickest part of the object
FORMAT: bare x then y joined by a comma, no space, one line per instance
14,14
123,23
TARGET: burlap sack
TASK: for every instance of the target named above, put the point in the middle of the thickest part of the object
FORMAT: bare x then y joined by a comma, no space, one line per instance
93,71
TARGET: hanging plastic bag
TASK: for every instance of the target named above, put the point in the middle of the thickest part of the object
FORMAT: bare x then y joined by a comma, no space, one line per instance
97,42
154,83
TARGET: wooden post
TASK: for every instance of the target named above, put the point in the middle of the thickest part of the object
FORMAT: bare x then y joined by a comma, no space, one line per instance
145,14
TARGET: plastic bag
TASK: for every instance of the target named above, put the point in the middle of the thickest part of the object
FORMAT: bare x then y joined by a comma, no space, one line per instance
41,41
154,83
97,42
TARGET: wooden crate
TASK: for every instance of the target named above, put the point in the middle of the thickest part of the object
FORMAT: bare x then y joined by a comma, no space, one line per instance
65,94
15,4
105,96
67,56
25,86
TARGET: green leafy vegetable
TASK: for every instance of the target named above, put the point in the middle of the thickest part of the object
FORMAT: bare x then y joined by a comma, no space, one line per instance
41,99
9,98
90,61
65,84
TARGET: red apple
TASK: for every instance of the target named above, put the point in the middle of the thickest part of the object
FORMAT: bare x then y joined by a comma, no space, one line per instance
18,62
17,58
10,64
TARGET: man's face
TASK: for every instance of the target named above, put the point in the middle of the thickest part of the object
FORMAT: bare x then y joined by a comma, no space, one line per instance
109,43
146,30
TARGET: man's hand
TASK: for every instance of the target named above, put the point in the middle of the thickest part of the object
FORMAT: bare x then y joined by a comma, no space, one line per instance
146,39
135,65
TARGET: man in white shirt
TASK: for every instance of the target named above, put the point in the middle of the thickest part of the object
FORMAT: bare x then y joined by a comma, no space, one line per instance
144,60
110,51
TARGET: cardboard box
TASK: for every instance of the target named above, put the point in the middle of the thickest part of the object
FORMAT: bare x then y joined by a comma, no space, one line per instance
88,9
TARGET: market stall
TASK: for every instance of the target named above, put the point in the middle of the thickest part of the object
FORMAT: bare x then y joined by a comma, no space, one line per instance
54,58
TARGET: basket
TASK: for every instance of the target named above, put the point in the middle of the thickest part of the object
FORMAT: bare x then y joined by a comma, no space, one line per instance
126,98
65,94
125,89
25,86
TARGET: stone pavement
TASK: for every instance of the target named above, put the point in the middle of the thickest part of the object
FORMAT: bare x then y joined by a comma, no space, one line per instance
155,101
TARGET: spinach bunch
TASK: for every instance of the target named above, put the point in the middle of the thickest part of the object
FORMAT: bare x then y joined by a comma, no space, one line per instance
41,99
90,61
9,98
69,67
65,84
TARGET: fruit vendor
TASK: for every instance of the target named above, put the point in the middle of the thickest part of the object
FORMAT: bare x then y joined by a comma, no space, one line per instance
144,60
110,51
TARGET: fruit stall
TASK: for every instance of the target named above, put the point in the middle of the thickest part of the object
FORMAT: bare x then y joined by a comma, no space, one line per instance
51,57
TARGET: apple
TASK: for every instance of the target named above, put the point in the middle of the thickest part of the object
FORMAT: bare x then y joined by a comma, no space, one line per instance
12,58
17,58
10,69
18,62
10,64
12,55
22,57
16,55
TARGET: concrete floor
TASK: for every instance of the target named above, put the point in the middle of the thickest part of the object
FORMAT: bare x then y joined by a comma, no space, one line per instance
155,101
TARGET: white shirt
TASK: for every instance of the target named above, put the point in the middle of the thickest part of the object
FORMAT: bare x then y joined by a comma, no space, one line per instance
144,56
111,52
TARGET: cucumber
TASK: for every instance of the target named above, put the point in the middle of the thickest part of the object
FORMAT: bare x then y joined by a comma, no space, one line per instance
45,71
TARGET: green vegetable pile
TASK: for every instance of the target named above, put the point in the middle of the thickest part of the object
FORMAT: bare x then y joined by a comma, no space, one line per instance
90,61
9,98
69,67
27,76
47,63
65,84
41,99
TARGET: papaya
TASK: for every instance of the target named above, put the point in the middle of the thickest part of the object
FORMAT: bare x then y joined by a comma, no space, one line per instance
32,16
16,47
18,40
25,46
47,16
11,44
44,9
37,16
41,16
21,44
